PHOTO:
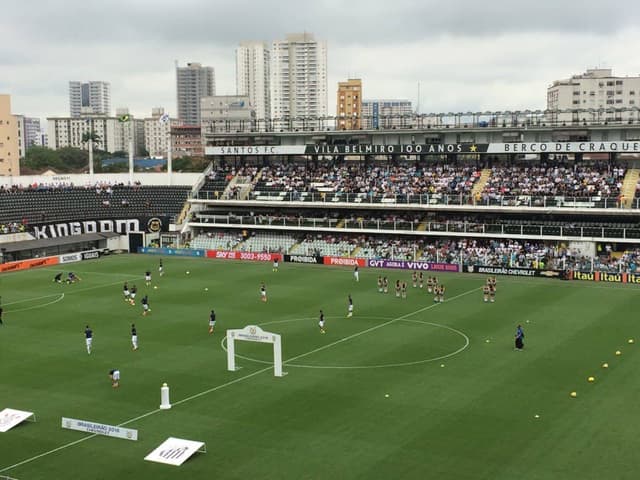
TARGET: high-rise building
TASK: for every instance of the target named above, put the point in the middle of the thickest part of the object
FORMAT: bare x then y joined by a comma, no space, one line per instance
298,75
252,77
601,95
9,154
193,82
113,133
29,133
156,132
349,105
386,114
89,98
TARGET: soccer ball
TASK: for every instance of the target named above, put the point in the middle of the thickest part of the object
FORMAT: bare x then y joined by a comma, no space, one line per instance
618,352
605,365
155,287
630,340
206,289
188,272
591,379
573,394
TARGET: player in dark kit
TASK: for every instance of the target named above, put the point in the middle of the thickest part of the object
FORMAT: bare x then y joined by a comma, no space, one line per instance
212,321
58,278
132,295
145,306
321,322
126,292
1,316
88,338
519,338
160,268
350,306
134,337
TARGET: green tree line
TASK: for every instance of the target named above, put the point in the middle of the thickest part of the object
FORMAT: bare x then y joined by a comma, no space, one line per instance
76,160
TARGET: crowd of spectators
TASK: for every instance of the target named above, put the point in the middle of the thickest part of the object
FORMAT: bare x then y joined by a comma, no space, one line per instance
575,181
13,227
372,180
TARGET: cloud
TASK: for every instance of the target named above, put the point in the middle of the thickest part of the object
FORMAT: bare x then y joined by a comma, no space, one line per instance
465,55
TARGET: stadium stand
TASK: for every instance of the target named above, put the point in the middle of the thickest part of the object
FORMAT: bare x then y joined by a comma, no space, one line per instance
40,205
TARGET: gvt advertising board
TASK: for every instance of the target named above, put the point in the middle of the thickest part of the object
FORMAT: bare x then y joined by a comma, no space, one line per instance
413,265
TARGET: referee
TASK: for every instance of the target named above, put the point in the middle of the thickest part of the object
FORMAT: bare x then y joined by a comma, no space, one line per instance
519,338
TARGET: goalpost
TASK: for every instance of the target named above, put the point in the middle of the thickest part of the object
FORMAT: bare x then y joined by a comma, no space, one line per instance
253,333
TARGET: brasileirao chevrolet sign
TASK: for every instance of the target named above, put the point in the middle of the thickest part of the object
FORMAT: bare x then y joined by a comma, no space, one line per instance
427,149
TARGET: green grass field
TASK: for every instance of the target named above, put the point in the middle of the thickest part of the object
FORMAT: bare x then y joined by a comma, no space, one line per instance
453,411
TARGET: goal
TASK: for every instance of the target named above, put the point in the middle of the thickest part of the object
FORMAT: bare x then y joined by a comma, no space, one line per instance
253,333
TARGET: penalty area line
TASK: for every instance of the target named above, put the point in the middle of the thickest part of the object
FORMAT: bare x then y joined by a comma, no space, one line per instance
238,380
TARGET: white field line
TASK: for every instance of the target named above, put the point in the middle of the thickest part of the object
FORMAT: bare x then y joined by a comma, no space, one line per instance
60,297
75,290
237,380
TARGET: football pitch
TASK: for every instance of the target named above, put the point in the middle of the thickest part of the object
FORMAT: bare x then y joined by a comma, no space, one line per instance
405,389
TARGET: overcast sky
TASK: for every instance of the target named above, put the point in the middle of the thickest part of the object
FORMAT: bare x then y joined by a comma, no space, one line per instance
467,55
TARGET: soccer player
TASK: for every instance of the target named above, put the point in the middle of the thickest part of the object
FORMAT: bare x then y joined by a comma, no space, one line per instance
485,292
403,289
160,268
1,316
350,307
439,294
72,278
134,337
263,292
421,279
519,338
385,284
430,284
212,321
147,278
356,273
492,293
58,278
398,287
114,375
145,306
275,264
132,295
321,322
126,292
88,338
492,282
379,284
414,279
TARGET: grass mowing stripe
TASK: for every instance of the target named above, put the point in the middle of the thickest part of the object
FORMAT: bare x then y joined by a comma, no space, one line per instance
237,380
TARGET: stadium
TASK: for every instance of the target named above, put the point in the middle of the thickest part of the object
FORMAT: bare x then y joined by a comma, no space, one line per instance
395,382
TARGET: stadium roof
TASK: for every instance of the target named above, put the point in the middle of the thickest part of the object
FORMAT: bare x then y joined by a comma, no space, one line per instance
52,242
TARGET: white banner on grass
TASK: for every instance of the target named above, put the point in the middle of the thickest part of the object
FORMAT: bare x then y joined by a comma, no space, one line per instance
99,428
175,451
9,418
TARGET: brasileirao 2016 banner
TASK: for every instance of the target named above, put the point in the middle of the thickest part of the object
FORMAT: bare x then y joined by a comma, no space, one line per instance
428,149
